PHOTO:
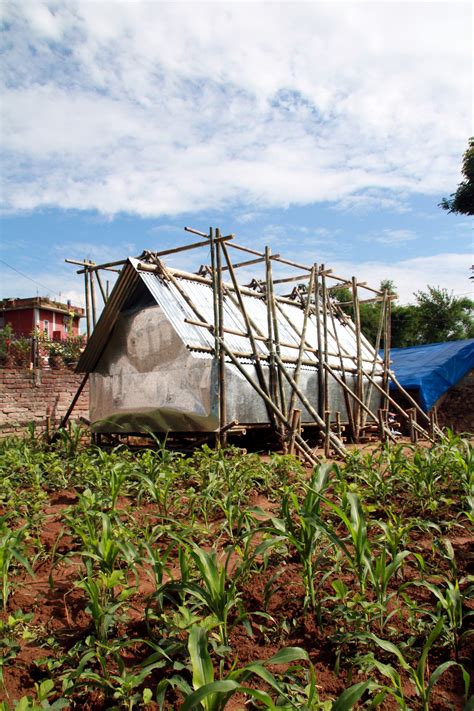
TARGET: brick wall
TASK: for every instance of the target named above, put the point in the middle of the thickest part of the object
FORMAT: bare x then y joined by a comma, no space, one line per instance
30,395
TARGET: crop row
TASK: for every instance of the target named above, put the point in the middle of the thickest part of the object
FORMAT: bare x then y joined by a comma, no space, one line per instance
171,567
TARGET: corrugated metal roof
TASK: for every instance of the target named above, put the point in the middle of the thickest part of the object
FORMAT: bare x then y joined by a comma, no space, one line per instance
340,336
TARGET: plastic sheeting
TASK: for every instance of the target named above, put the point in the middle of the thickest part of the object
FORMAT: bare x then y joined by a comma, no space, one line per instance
432,369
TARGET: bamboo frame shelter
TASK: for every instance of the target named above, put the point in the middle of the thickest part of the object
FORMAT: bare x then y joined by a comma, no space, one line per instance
237,358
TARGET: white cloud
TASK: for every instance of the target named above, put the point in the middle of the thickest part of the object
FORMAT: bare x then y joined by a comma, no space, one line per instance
393,237
164,108
448,271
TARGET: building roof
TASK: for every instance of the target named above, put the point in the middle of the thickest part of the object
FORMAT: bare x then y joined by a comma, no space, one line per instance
40,302
198,291
432,369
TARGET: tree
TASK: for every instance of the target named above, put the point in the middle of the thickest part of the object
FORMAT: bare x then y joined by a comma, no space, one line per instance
441,316
462,201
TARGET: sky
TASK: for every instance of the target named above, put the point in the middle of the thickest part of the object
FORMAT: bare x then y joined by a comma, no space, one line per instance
327,130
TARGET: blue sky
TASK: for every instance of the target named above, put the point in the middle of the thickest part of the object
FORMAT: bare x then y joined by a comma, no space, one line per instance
329,131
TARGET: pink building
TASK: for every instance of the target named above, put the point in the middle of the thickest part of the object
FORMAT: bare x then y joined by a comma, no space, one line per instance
52,319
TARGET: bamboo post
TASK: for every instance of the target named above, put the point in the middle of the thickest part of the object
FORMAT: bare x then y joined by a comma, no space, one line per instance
222,382
296,374
359,381
325,338
249,327
380,419
92,289
276,333
338,425
74,400
317,304
295,428
380,329
278,414
347,401
386,346
338,446
353,395
86,293
412,424
270,341
327,433
101,287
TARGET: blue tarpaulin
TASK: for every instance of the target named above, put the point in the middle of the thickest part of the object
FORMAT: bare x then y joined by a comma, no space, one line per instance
432,369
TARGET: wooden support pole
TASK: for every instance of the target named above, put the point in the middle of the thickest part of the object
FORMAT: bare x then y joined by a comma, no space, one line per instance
295,422
310,456
296,374
325,338
347,400
412,425
352,394
250,334
87,300
382,424
101,287
222,379
93,307
317,303
338,425
337,444
74,400
327,434
359,378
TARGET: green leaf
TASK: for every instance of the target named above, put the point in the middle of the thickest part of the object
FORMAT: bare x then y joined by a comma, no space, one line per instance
209,691
350,696
203,671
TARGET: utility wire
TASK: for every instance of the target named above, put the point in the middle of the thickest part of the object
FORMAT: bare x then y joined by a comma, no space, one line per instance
43,286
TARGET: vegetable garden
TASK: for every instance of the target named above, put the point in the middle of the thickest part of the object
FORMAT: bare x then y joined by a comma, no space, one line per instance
224,579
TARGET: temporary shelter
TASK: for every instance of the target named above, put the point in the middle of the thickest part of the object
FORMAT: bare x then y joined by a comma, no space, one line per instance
182,352
428,372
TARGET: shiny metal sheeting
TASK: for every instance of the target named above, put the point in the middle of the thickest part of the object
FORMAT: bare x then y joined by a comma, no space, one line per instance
152,371
147,380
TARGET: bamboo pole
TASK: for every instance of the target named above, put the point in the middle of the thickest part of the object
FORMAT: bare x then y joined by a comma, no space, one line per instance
347,401
86,291
338,445
378,337
317,303
250,334
351,393
101,287
92,289
222,379
310,456
301,350
280,391
295,422
325,338
386,346
74,400
359,378
270,340
327,424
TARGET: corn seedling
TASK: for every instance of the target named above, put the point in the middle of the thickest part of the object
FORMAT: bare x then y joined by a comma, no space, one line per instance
418,675
12,549
300,527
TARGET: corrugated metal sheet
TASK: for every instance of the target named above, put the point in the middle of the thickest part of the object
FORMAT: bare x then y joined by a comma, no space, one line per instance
340,336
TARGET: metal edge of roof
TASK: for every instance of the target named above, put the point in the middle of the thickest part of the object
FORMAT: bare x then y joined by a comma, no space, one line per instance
176,309
126,282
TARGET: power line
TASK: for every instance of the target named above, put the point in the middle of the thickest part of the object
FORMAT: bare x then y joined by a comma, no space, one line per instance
43,286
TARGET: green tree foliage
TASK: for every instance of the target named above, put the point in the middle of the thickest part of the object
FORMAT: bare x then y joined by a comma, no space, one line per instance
436,316
462,201
441,316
